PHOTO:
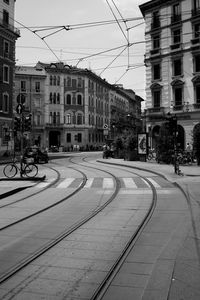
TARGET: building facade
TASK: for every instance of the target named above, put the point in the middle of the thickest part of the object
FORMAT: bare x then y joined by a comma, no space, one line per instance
8,36
71,106
172,59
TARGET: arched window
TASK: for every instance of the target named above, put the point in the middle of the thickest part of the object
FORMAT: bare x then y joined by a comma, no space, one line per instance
58,98
50,98
79,99
68,99
54,98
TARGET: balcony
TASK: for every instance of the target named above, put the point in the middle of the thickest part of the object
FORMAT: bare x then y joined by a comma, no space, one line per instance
54,125
155,52
9,27
176,47
196,105
195,12
178,107
195,43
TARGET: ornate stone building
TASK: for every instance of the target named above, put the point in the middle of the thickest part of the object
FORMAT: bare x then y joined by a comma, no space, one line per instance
8,36
172,60
73,106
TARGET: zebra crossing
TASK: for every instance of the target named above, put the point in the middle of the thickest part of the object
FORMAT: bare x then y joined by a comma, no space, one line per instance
107,183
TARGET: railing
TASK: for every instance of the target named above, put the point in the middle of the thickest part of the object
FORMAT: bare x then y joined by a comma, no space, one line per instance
195,41
196,105
10,27
156,51
176,46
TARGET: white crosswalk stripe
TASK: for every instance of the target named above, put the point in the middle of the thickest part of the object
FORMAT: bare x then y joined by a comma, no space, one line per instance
155,184
45,183
65,183
108,183
129,183
89,183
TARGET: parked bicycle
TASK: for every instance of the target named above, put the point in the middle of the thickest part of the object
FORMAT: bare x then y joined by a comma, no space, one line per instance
25,168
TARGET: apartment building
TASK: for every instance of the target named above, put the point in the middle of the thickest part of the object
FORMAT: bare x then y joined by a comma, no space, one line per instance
8,36
71,106
172,59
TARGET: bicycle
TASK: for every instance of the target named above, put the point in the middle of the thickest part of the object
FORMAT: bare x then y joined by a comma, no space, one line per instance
27,168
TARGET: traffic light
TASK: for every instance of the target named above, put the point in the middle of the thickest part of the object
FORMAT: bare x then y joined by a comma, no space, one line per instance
17,124
27,123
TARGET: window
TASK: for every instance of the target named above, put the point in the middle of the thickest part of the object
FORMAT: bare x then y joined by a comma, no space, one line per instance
178,95
68,138
50,118
156,71
177,67
23,86
156,98
79,100
6,1
51,98
58,98
197,63
196,5
79,137
69,82
197,30
68,119
54,80
54,118
69,99
5,104
176,12
197,93
156,41
176,36
79,82
6,73
73,83
79,119
5,17
58,80
37,86
156,19
54,98
58,118
51,80
6,47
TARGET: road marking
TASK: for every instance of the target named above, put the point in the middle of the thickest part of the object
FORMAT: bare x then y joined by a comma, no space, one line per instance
89,183
155,184
45,183
129,183
65,183
108,183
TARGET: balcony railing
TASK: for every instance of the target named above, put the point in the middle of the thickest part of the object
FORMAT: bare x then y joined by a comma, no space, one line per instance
177,46
196,105
156,51
10,27
178,107
195,41
195,12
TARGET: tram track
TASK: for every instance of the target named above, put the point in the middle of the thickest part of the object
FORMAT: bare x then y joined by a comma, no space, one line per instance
11,271
85,219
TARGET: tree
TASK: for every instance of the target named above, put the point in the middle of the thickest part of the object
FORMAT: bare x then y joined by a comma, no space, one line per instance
196,144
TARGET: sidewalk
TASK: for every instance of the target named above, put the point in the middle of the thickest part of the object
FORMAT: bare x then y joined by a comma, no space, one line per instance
189,171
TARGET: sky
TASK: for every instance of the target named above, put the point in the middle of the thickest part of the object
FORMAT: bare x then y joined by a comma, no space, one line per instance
87,34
